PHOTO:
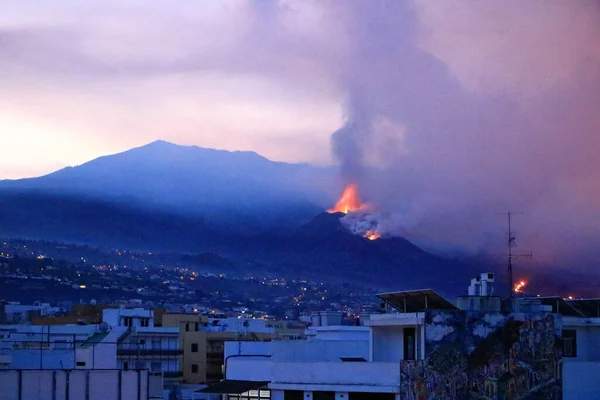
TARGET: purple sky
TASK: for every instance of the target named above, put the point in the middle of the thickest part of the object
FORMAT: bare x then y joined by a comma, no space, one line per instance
471,107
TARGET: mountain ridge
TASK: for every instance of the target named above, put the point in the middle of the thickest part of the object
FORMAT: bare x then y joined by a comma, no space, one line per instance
239,206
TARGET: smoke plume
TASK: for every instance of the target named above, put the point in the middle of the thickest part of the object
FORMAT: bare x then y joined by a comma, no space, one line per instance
495,107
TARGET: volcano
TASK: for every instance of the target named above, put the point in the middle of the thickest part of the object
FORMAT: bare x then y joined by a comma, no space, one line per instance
324,247
239,211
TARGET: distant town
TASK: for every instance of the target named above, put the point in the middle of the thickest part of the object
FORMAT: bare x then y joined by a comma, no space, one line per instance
30,271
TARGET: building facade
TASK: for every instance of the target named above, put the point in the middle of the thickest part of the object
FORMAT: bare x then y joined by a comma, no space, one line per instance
427,348
145,346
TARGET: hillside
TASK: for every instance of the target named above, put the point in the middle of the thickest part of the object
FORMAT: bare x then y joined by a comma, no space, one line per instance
230,188
233,210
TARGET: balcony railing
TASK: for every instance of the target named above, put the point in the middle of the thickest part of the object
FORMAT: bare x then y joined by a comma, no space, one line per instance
149,352
173,374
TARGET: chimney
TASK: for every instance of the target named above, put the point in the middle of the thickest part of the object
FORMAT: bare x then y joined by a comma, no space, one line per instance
326,318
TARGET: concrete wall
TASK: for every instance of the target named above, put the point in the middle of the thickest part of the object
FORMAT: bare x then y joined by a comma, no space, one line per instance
388,343
189,358
357,376
378,376
319,350
339,333
50,359
301,350
487,354
238,325
53,385
581,380
236,348
251,369
588,343
99,356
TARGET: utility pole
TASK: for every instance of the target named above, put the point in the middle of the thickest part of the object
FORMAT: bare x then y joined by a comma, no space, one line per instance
511,242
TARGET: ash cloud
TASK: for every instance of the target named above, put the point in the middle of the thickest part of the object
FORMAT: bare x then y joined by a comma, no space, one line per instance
497,103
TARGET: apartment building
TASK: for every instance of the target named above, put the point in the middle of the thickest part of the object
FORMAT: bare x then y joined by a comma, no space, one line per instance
59,346
202,341
192,341
146,346
66,362
80,314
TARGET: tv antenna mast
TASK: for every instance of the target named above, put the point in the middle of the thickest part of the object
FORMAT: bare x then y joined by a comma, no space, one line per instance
511,242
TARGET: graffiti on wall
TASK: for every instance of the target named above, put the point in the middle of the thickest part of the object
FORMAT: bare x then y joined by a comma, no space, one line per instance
490,356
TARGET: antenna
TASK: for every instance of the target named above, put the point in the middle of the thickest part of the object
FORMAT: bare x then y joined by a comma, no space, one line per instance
511,242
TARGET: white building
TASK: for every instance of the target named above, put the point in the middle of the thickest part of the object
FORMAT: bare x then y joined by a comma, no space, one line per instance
581,346
144,345
385,358
63,362
240,325
22,313
336,362
129,317
59,346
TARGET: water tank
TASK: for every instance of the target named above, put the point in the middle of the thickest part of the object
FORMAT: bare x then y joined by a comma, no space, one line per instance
331,318
315,319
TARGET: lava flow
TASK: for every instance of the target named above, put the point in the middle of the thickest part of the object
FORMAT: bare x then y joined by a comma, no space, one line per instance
350,200
519,286
372,235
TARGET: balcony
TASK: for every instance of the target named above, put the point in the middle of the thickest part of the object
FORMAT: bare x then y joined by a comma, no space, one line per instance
150,352
173,374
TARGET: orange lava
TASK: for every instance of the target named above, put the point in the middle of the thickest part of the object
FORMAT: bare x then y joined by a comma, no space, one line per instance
372,235
519,286
350,200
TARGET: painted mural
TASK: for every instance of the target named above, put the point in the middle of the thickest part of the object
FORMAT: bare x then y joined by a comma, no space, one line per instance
486,356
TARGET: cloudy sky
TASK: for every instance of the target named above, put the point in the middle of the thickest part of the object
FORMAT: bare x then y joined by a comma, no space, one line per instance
82,79
469,107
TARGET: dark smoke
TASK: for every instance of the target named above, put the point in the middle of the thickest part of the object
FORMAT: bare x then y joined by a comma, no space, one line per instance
483,126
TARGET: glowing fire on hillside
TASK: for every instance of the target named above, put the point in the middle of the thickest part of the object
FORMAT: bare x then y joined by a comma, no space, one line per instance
519,286
372,235
350,200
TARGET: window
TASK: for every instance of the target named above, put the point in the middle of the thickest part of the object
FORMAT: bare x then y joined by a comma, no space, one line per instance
155,366
80,363
323,395
140,365
253,395
127,321
196,326
145,322
125,366
293,395
194,347
569,342
187,326
194,368
156,344
142,342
